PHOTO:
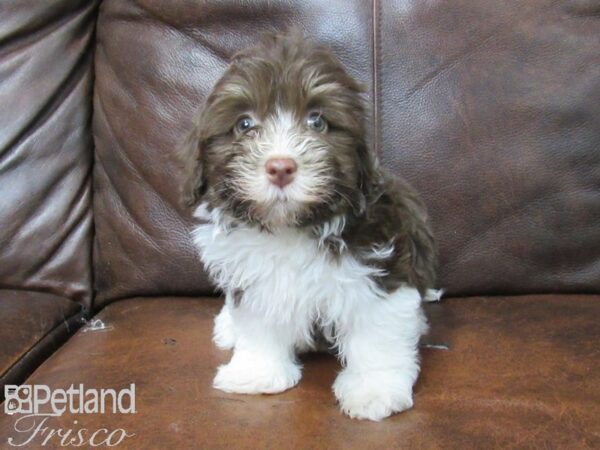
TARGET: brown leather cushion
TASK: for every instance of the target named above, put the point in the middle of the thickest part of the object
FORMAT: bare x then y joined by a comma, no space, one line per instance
155,63
32,326
46,146
490,108
521,372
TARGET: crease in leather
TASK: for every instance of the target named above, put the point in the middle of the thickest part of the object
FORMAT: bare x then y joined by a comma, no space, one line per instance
202,40
449,64
77,221
59,324
132,168
59,96
24,38
470,49
41,291
375,23
133,221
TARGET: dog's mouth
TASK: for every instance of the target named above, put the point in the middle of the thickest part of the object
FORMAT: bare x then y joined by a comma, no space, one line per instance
283,194
283,205
281,212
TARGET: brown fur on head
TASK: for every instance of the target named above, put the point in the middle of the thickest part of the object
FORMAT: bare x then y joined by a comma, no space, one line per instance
264,107
285,97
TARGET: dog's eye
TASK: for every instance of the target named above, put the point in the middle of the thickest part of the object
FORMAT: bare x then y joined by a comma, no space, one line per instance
316,122
244,124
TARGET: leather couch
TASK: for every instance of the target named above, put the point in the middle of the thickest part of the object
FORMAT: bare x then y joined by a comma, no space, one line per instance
491,109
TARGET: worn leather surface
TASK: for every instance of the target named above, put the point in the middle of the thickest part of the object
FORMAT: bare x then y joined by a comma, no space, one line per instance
27,318
46,146
492,109
155,63
520,372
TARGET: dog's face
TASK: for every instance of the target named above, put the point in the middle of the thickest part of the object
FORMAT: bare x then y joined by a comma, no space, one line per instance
281,141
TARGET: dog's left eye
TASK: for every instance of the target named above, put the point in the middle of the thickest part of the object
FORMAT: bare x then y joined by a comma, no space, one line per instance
316,122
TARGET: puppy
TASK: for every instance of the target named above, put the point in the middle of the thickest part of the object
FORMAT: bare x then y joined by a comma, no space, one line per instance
304,232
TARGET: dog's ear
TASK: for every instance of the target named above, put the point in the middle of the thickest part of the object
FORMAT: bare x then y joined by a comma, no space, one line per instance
369,177
194,179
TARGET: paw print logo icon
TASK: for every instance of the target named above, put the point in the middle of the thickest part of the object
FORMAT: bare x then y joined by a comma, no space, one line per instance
17,399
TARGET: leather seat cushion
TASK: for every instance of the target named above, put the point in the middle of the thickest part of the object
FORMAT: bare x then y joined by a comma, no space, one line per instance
33,325
519,372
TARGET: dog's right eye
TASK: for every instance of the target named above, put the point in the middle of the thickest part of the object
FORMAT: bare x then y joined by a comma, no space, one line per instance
244,124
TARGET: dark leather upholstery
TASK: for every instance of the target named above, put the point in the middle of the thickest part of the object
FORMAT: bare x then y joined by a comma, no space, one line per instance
496,121
491,109
521,372
46,146
34,324
45,177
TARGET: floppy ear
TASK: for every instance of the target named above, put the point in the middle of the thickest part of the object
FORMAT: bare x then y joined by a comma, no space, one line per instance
191,156
369,177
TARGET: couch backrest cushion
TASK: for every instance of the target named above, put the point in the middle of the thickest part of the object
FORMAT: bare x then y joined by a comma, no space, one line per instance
491,109
155,63
46,146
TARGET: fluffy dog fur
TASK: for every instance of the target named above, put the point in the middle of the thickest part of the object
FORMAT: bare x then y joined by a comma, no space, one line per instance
343,251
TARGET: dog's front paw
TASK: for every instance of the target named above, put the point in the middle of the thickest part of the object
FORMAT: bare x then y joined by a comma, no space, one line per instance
224,330
372,395
251,375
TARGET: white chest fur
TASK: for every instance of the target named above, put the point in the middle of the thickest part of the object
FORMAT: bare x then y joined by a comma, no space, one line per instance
284,275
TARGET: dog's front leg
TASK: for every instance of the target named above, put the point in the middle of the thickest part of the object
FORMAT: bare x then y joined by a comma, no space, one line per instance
379,348
224,333
263,359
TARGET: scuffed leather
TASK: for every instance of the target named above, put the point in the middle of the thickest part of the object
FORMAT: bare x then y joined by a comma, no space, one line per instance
520,372
27,319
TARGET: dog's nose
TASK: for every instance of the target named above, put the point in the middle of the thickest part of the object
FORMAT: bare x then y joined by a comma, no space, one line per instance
281,171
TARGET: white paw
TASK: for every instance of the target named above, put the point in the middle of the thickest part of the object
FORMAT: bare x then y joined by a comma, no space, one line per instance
372,395
251,375
224,331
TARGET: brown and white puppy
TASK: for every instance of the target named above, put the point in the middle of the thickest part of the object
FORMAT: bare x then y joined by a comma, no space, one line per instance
304,232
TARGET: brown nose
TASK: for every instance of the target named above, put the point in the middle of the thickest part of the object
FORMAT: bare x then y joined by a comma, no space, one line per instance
281,171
